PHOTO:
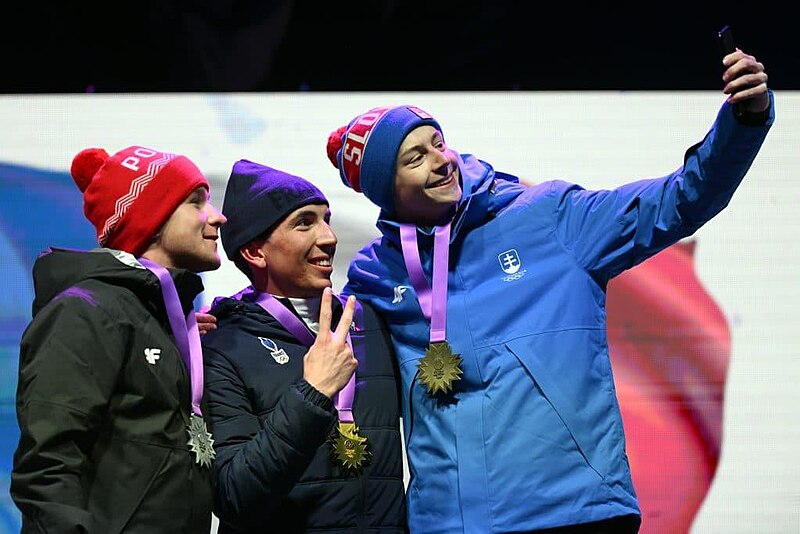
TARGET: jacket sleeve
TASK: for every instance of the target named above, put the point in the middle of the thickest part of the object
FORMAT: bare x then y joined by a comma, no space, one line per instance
68,370
610,231
259,461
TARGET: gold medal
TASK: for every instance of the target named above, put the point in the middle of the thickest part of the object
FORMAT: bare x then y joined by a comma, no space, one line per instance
439,368
350,449
200,441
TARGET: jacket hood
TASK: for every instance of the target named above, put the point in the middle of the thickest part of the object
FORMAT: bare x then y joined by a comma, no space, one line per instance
57,270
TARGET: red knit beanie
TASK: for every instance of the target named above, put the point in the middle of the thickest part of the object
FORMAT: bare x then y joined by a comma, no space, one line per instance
129,196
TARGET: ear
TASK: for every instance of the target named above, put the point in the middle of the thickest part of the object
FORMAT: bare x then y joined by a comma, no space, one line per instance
253,253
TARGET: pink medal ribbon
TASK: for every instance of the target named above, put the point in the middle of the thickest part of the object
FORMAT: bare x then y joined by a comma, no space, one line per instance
433,302
440,368
184,328
295,326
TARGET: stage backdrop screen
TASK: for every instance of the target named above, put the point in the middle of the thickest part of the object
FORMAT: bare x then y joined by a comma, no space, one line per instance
704,337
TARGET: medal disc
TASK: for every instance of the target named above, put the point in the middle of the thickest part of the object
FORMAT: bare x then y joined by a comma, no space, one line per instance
440,368
200,441
349,449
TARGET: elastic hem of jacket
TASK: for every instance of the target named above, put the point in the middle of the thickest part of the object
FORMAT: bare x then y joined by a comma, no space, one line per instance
314,396
749,118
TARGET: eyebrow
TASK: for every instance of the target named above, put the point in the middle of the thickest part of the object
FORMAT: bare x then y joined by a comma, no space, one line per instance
419,147
304,213
200,193
409,150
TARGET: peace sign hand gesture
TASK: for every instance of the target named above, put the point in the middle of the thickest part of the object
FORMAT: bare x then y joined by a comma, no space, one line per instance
329,363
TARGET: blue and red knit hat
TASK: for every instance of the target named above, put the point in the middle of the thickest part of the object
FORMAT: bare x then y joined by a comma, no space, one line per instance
365,151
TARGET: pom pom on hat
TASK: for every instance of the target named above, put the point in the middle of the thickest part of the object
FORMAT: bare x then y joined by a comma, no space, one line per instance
366,153
335,144
86,164
129,196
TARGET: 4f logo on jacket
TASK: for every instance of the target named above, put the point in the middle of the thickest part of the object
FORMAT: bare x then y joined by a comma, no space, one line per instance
510,263
277,353
398,293
151,355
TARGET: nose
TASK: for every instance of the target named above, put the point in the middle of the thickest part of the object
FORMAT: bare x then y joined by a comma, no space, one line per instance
442,162
215,217
327,236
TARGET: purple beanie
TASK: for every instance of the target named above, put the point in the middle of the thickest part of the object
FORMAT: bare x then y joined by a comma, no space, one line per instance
257,198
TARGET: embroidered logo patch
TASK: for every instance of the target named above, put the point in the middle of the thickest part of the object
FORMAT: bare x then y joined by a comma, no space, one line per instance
151,355
511,263
398,293
277,353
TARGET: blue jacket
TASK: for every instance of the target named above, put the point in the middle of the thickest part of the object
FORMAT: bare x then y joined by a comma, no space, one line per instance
532,436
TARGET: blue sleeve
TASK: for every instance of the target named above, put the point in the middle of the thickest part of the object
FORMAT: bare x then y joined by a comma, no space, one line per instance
613,230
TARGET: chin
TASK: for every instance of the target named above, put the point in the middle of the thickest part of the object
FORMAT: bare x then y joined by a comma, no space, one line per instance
207,264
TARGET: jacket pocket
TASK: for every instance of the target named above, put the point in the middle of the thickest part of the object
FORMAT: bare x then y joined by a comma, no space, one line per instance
565,405
125,477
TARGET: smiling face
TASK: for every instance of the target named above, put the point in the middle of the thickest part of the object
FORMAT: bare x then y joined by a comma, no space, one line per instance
299,253
188,240
427,184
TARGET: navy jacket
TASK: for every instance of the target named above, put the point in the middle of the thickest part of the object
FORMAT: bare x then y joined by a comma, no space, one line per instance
273,467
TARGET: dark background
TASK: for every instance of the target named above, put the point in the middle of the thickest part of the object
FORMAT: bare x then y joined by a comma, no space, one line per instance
63,46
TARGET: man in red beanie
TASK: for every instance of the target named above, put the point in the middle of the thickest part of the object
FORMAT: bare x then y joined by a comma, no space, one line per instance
112,435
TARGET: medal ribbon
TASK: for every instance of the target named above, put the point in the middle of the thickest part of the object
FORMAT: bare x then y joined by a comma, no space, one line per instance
184,328
433,302
295,326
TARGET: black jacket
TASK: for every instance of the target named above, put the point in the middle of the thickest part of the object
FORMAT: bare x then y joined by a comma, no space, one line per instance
103,428
273,468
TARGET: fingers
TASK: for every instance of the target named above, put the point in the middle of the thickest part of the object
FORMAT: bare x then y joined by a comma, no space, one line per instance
205,322
347,318
325,315
745,81
749,93
739,64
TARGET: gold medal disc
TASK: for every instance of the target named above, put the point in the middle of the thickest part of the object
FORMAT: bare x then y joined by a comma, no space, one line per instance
440,368
349,449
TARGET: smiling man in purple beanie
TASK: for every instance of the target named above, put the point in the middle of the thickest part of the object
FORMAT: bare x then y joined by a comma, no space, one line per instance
306,420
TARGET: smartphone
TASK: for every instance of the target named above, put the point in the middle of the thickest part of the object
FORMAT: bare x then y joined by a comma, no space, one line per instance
725,41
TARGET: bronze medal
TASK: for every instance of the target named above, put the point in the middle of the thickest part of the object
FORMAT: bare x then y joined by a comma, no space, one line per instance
349,449
439,368
200,441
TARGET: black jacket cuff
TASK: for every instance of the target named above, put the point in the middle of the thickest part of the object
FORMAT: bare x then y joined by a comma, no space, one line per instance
749,118
314,396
